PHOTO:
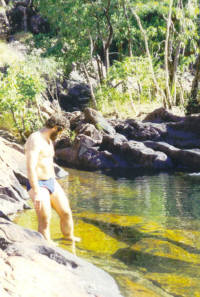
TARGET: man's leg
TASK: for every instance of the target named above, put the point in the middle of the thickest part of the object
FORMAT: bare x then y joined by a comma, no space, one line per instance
61,205
44,214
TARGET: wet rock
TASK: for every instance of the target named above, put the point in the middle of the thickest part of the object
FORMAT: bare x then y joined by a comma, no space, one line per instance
54,272
181,158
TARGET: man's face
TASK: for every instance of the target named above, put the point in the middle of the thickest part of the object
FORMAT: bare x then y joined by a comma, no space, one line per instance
56,131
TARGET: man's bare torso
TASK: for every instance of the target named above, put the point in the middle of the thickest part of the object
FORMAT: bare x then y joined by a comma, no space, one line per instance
41,153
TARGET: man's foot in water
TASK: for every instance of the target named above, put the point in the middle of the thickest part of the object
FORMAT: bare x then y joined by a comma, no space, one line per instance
73,239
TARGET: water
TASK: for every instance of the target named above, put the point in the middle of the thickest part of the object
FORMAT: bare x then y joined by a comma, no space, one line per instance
144,231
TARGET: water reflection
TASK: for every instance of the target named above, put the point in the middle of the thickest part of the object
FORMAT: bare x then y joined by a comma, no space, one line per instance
159,196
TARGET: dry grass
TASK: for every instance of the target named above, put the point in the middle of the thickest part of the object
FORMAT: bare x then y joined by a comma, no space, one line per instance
136,110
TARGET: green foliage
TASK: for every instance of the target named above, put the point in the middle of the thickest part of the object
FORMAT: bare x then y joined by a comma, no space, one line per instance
129,80
19,91
193,105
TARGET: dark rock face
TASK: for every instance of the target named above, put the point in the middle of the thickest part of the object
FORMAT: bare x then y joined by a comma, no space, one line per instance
23,17
131,144
38,24
30,264
73,95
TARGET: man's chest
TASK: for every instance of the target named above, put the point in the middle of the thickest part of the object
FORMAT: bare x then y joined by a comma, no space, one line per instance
47,150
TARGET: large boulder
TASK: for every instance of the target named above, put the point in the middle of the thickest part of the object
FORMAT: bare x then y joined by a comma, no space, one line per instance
23,17
31,267
182,158
94,117
73,94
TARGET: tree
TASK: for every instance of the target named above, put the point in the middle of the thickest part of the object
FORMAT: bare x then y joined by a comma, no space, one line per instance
19,91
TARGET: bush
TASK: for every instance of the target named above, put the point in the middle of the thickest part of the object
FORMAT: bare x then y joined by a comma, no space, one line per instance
127,82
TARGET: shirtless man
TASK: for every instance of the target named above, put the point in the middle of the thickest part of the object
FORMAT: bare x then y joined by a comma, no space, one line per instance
43,189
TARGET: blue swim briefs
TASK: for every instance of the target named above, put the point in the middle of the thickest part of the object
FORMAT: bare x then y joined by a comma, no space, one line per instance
49,184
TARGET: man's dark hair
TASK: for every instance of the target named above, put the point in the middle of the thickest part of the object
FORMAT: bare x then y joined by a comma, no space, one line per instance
57,120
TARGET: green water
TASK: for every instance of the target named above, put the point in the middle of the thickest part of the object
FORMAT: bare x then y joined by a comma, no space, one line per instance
144,231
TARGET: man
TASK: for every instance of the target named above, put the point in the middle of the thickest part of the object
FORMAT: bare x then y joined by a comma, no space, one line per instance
43,189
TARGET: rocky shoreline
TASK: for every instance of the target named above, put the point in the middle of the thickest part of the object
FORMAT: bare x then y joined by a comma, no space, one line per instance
29,265
161,142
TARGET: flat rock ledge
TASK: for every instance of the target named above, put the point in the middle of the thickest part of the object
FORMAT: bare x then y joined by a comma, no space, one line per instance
31,267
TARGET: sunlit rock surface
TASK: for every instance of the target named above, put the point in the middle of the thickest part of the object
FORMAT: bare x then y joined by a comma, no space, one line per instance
32,267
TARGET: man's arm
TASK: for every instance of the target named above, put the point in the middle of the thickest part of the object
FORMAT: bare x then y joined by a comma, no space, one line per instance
32,154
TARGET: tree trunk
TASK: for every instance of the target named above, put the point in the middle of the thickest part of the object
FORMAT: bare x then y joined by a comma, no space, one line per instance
107,43
196,80
96,72
158,89
173,81
193,105
3,3
169,98
130,41
94,102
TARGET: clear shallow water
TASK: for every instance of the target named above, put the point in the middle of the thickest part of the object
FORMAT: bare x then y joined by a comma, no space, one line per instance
144,231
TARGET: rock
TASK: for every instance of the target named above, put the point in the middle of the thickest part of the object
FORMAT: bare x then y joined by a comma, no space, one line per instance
130,144
140,156
12,194
94,117
161,115
182,159
12,162
67,156
136,130
73,94
91,131
23,17
38,24
54,272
